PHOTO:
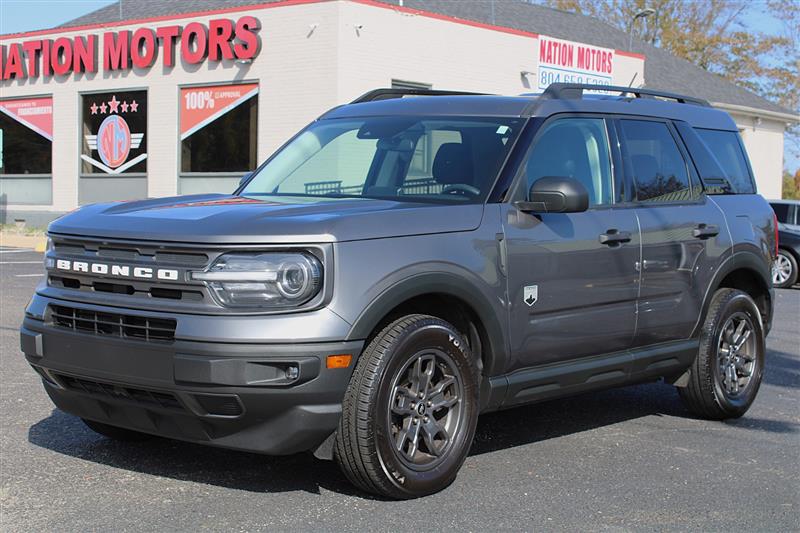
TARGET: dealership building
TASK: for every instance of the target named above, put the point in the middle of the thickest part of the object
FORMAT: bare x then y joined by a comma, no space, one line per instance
152,98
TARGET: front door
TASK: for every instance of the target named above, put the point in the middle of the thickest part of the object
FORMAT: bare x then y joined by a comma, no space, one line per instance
572,278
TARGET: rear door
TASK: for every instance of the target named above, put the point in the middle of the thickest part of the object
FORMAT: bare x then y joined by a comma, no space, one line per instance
572,279
684,234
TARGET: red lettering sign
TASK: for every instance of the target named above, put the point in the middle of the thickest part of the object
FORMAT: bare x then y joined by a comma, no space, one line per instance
219,40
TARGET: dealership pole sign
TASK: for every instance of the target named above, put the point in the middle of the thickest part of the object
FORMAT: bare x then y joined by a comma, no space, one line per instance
194,43
570,62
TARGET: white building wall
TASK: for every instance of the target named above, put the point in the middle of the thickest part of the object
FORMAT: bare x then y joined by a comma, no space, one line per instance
315,56
763,140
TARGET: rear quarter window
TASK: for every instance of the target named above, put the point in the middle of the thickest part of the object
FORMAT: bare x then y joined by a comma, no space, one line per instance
728,150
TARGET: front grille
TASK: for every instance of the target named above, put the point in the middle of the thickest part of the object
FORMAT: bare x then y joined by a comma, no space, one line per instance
113,324
143,397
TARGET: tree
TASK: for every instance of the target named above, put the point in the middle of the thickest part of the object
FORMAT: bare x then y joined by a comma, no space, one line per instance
791,185
715,35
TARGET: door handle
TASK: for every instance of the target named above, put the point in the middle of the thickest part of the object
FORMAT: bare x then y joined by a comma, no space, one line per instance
705,231
614,237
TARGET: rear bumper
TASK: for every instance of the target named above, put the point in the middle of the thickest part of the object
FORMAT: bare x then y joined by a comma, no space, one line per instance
233,395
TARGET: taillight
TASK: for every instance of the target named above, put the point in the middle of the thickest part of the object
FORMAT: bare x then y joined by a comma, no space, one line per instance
775,221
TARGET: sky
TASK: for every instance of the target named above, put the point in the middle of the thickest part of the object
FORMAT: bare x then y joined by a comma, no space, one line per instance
26,15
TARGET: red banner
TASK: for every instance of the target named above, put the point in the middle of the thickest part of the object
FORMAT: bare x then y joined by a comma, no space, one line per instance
202,105
33,113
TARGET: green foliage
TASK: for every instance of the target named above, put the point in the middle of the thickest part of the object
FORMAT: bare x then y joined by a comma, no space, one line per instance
791,185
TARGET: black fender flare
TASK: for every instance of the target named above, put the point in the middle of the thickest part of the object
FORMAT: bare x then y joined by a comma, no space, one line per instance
744,260
439,283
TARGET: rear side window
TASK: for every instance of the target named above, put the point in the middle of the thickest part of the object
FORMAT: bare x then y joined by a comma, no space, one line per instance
659,170
728,150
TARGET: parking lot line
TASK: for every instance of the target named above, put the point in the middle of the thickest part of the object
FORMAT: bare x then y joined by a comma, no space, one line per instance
28,275
17,251
20,262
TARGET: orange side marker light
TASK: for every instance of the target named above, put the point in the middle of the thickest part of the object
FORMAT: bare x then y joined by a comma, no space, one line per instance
339,361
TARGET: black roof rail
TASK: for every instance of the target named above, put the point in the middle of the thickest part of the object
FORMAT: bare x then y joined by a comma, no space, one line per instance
574,91
386,94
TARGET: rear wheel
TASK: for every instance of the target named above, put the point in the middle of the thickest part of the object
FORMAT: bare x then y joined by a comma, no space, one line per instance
784,270
116,433
409,414
725,376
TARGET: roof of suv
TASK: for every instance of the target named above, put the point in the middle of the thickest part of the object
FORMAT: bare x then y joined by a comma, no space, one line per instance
529,106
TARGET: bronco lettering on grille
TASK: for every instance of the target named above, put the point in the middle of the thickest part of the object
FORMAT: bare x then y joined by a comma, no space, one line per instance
122,271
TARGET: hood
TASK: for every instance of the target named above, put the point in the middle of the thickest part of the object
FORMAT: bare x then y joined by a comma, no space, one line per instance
226,219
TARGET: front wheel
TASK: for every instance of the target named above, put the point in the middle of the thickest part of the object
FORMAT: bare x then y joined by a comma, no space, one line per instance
409,414
725,377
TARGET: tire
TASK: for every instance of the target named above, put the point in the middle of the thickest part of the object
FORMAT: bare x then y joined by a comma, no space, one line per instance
784,270
389,443
713,392
116,433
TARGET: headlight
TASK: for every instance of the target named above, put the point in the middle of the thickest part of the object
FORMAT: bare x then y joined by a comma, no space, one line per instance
263,280
49,262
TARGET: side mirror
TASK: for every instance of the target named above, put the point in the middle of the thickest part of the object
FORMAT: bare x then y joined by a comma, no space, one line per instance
553,194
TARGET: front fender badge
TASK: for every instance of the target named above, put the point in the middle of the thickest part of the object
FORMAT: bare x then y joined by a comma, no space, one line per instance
530,295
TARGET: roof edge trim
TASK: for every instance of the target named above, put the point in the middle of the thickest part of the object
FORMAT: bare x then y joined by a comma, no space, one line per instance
756,112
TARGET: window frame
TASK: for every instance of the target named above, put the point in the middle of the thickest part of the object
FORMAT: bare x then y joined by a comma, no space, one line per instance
37,176
180,175
695,183
519,187
83,175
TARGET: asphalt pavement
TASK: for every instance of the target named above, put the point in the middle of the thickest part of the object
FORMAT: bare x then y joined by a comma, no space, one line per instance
621,460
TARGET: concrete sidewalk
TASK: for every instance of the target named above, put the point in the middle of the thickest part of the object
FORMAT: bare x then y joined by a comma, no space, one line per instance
16,240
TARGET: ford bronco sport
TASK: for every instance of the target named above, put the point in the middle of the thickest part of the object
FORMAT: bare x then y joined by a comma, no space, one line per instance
404,264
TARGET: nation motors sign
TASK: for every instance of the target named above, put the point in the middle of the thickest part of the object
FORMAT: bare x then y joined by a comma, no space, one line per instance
563,61
193,43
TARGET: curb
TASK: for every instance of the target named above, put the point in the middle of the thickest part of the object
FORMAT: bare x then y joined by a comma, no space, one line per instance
37,243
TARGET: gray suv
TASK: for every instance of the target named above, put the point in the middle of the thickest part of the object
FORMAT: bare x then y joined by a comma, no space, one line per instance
404,264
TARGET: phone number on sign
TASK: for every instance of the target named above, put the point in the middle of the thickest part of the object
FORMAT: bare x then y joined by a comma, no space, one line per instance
548,75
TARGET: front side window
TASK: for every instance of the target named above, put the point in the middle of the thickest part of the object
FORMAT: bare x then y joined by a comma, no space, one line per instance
659,170
728,151
574,148
114,133
437,159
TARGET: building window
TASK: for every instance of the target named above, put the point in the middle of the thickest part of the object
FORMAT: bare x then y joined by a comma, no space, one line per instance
219,129
26,150
114,133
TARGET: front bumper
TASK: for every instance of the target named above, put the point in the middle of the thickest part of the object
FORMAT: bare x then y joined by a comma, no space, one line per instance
235,395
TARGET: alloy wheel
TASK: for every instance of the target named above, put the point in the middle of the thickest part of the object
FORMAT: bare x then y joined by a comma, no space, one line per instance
781,269
425,410
736,350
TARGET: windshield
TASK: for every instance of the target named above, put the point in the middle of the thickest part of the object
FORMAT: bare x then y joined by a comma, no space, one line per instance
436,159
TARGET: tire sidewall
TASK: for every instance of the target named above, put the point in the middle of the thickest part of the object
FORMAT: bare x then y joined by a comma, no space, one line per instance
430,333
739,302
